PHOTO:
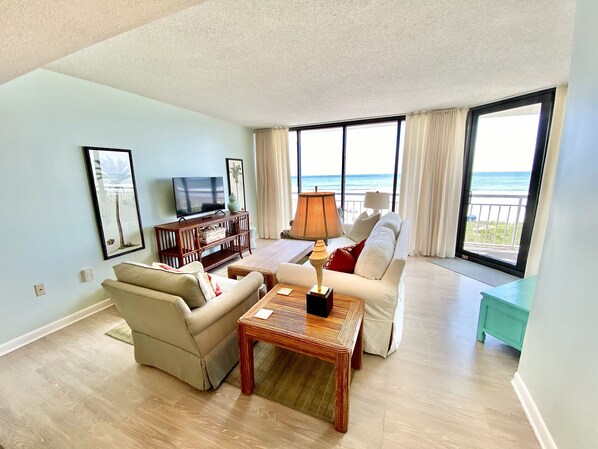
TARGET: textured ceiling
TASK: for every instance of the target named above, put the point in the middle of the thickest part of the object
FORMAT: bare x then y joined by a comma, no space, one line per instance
35,32
265,63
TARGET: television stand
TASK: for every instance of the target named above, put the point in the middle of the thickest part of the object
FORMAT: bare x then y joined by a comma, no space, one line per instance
222,236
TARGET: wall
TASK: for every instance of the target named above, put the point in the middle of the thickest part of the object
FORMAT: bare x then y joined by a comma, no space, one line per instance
48,231
559,362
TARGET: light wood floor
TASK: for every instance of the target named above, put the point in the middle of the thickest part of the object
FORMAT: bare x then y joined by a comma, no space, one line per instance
78,388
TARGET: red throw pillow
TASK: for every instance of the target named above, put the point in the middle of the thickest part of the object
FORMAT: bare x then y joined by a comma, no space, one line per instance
342,260
215,285
163,266
357,249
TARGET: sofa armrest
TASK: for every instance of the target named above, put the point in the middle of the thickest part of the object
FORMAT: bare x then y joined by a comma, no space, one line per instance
380,297
396,269
201,318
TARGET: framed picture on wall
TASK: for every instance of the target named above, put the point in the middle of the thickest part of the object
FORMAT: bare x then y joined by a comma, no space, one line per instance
236,180
112,185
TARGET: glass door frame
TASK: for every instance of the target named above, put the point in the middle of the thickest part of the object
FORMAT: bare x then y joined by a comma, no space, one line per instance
546,99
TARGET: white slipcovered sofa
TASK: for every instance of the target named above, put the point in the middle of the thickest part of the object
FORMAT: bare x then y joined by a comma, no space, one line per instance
378,279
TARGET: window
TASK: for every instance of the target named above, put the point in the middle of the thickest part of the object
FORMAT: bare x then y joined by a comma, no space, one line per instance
504,156
350,159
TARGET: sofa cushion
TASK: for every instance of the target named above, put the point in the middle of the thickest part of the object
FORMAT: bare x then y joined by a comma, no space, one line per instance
185,285
363,226
377,254
392,221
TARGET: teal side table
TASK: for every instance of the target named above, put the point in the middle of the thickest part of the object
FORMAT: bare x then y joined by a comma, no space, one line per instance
504,311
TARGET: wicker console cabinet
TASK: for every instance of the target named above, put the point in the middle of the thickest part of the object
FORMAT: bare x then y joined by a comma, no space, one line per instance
185,241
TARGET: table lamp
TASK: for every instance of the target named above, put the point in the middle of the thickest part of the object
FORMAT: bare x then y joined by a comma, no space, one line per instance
376,200
317,219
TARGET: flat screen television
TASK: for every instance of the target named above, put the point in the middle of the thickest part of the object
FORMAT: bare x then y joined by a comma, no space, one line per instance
198,195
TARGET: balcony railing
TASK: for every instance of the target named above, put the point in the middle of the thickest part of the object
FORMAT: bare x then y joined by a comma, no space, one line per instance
493,220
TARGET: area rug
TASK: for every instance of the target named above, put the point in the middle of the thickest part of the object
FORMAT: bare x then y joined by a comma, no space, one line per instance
475,271
303,383
121,332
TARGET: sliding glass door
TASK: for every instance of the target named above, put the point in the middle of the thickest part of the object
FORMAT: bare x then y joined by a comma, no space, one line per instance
505,152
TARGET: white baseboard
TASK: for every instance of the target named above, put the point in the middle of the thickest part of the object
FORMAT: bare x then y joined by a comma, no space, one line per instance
533,414
36,334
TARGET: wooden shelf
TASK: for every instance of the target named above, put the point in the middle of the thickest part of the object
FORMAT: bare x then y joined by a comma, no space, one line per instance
174,251
219,257
229,238
179,242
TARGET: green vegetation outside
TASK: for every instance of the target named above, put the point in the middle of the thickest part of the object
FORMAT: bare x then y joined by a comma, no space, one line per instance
485,233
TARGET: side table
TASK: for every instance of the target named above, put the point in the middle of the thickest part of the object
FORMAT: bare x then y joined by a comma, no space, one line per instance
337,339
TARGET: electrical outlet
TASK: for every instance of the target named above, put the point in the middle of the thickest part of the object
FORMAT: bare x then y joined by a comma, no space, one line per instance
40,289
87,274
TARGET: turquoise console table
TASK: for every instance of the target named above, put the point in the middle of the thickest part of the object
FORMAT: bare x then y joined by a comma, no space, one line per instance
504,311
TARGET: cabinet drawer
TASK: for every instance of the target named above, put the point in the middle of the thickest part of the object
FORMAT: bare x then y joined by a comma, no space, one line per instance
505,326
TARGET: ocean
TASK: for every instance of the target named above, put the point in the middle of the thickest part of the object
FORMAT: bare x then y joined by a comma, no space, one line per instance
481,182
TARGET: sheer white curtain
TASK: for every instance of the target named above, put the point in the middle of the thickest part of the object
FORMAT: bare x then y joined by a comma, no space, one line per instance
547,186
431,180
273,181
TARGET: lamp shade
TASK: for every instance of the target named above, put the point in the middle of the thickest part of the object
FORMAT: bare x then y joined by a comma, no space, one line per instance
316,217
376,200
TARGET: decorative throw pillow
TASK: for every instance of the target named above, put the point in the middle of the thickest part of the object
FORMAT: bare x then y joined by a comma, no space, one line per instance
214,284
357,249
191,268
208,285
341,260
363,226
163,266
392,221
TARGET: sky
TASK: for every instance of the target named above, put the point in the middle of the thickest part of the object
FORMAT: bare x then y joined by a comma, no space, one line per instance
506,143
370,150
503,143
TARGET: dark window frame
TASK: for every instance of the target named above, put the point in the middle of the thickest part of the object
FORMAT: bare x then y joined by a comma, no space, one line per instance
344,125
546,99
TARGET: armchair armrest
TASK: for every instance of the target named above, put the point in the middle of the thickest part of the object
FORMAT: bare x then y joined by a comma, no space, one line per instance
203,317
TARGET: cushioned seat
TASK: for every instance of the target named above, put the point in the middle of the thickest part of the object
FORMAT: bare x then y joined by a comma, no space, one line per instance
196,344
378,277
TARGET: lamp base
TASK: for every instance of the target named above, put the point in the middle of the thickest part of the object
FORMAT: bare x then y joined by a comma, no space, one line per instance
319,304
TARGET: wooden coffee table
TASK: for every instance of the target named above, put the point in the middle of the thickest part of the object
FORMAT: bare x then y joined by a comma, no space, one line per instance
267,259
337,338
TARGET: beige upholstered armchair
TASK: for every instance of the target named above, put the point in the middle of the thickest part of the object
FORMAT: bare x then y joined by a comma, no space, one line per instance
196,344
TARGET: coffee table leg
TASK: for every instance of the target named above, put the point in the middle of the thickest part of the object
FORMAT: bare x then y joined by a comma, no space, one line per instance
270,279
343,368
357,358
245,360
